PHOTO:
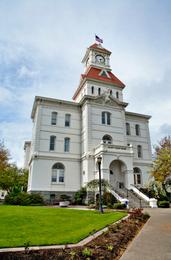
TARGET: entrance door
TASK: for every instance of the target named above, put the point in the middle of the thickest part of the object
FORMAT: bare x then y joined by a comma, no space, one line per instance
117,174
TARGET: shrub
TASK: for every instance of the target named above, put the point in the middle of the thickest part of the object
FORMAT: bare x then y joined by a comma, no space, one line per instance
80,196
119,206
24,199
163,204
36,199
108,199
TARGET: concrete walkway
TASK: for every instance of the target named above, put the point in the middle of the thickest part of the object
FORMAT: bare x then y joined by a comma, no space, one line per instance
154,240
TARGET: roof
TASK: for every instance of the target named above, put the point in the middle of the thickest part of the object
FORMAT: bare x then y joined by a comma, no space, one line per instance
99,48
137,115
40,99
94,73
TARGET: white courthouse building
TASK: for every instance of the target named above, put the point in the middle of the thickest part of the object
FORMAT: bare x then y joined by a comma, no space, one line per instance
68,136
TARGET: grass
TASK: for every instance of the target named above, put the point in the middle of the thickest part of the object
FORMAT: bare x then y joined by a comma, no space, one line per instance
47,226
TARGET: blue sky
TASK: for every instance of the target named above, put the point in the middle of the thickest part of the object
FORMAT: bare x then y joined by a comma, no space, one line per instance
42,43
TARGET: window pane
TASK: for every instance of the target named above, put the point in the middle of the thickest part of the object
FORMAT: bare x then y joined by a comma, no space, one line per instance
53,118
52,143
137,129
60,176
108,118
139,148
67,119
103,117
138,179
128,130
66,144
54,176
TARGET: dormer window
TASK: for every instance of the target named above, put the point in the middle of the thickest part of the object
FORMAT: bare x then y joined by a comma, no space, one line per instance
104,73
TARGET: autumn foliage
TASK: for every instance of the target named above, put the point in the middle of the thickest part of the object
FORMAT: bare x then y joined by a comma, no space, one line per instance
162,164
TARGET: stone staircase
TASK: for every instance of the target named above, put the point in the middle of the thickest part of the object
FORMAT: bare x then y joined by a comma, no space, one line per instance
134,200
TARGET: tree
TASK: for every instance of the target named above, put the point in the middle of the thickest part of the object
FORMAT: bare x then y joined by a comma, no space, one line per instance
13,179
162,164
94,185
4,157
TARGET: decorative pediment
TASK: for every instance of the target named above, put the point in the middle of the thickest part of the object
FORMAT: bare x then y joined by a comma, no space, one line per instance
107,99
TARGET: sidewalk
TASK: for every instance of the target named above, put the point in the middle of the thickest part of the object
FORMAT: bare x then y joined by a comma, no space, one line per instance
154,240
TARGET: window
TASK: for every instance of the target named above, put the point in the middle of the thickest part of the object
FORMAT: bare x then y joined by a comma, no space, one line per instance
58,173
128,129
53,118
106,118
66,144
92,90
139,151
117,94
107,139
52,143
137,176
99,91
104,74
110,92
67,119
137,129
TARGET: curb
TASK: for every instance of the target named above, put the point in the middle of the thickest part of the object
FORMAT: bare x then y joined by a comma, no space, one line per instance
79,244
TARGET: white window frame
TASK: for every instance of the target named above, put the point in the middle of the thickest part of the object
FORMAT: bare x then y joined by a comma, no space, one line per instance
139,151
67,120
137,130
52,143
66,144
58,175
128,129
106,118
54,118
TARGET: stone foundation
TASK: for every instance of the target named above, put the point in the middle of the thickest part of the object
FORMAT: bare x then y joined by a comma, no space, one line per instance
53,197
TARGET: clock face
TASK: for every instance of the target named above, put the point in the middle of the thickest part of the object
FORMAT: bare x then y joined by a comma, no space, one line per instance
100,59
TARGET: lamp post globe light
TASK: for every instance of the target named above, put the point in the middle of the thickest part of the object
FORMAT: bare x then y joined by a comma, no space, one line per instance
99,159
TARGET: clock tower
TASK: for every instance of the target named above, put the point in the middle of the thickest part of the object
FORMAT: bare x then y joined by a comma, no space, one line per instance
98,78
97,56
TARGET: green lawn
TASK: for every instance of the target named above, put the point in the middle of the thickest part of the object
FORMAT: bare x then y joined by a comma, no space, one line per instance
47,226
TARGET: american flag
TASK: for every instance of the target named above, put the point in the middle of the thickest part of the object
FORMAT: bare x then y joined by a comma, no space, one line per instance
98,39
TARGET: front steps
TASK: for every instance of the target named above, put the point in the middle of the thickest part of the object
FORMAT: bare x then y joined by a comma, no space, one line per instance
134,200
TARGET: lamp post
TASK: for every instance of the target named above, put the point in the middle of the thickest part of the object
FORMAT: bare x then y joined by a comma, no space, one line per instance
99,159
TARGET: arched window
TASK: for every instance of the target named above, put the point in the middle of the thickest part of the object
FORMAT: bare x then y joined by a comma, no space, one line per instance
106,118
107,139
58,173
53,118
66,144
139,151
92,90
99,91
137,129
128,129
137,176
